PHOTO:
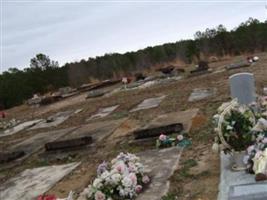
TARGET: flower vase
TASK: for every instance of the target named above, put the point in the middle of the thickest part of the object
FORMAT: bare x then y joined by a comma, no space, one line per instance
238,161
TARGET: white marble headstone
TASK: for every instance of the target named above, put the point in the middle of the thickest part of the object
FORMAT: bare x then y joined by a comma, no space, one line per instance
242,87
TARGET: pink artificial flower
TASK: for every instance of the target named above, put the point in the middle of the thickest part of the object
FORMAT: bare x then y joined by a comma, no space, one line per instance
250,149
180,137
120,168
264,140
145,179
133,178
100,196
46,197
138,189
162,137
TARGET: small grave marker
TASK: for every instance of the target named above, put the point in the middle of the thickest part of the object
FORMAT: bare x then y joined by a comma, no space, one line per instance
242,87
149,103
103,112
68,144
199,94
10,156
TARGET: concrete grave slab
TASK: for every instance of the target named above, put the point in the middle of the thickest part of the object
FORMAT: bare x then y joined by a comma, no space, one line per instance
257,191
33,182
97,130
161,165
20,127
35,143
184,117
54,120
103,112
230,178
149,103
199,94
242,87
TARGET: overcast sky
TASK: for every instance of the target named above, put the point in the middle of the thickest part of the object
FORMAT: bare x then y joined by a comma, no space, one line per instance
71,30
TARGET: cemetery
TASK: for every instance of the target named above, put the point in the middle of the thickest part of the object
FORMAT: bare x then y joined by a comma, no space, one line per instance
174,136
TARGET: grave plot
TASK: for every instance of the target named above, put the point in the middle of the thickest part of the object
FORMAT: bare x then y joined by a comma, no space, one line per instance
232,183
33,182
149,103
97,130
156,131
199,94
183,117
55,119
20,127
169,123
79,139
238,65
35,143
103,112
160,165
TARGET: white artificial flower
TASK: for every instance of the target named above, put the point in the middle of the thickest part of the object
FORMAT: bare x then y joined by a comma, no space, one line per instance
97,183
116,178
228,127
126,181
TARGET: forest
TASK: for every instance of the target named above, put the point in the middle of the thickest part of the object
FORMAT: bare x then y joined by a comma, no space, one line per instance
44,75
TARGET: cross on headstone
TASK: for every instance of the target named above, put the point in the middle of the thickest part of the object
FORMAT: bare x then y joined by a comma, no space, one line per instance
242,87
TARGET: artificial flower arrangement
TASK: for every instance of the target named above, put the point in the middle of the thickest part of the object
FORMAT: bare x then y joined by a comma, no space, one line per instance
256,158
234,123
168,141
123,178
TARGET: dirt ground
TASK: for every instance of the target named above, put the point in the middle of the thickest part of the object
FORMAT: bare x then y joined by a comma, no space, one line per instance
198,175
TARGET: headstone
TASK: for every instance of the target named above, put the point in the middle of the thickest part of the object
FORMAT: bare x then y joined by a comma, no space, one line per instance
149,103
156,131
10,156
34,182
68,144
242,87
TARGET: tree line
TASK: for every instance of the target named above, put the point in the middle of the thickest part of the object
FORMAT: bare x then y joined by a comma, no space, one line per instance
45,75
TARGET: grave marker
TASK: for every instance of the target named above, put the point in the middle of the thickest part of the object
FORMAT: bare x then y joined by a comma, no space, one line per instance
156,131
68,144
199,94
242,86
103,112
149,103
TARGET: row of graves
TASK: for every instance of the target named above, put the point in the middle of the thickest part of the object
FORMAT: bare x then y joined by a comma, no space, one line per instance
241,140
167,131
128,176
